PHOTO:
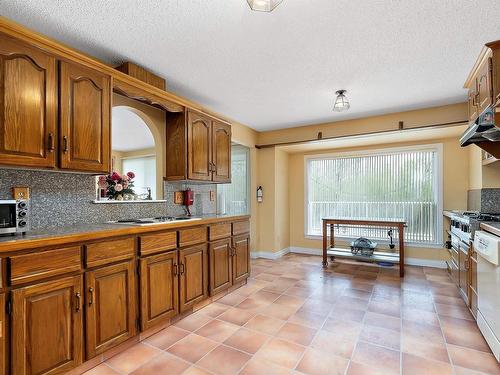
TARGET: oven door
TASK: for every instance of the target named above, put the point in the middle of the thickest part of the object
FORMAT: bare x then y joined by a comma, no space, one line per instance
8,218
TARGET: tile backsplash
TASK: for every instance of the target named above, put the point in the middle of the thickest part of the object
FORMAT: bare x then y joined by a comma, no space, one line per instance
484,200
60,199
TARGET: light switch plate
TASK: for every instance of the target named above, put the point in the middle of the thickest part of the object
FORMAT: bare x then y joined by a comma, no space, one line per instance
178,197
21,192
212,195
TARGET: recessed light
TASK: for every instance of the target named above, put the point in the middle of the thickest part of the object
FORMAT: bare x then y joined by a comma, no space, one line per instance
263,5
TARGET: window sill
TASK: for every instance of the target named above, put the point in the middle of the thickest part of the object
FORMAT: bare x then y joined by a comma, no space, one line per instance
134,201
385,242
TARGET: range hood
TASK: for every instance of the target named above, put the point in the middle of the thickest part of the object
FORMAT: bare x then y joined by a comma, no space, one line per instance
484,133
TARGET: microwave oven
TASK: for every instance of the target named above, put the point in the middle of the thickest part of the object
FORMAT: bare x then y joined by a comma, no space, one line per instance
14,216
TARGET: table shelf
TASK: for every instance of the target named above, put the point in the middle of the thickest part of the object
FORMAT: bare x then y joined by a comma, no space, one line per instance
376,257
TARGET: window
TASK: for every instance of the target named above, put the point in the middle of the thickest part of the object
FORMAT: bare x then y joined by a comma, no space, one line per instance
233,198
145,173
389,184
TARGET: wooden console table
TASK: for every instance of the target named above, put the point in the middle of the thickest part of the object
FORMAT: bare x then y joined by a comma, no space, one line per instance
328,230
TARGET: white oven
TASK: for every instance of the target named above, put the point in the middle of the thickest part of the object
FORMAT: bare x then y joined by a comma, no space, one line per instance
487,247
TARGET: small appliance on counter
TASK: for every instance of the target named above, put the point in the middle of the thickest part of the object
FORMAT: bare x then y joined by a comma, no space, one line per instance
14,216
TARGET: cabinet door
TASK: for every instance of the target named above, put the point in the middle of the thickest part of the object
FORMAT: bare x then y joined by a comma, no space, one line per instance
28,105
463,273
47,329
221,154
110,302
220,266
484,92
193,269
3,338
199,147
159,288
472,104
241,258
85,99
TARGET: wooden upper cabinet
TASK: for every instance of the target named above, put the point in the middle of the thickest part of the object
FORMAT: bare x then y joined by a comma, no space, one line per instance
47,327
159,288
241,258
193,271
199,141
472,107
28,105
220,266
110,306
484,92
221,152
85,122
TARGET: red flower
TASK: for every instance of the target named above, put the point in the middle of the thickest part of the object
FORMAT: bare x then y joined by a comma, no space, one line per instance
115,176
131,175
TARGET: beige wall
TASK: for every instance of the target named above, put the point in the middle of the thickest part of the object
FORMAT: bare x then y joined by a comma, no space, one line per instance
282,209
482,176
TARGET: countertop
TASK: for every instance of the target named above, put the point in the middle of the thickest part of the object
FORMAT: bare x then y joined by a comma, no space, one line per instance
89,232
491,227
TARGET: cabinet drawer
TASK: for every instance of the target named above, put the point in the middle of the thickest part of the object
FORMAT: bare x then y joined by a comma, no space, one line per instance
106,252
241,227
156,242
192,236
219,231
37,266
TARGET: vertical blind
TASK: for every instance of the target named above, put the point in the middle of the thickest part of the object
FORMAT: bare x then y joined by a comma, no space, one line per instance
395,185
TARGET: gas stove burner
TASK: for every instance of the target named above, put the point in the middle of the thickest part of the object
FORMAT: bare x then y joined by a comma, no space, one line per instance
489,217
164,218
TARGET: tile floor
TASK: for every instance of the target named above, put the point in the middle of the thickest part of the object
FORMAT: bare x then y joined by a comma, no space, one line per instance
293,317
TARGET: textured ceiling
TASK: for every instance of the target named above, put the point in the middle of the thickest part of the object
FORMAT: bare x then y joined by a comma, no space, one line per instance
281,69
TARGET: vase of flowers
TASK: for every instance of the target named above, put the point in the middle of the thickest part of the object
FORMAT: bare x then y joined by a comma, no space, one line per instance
117,185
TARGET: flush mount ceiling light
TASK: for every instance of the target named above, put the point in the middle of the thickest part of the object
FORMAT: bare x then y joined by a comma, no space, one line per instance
341,102
263,5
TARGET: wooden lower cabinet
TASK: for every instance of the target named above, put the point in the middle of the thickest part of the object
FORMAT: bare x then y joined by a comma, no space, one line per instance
241,258
3,337
110,306
220,266
47,327
159,284
193,276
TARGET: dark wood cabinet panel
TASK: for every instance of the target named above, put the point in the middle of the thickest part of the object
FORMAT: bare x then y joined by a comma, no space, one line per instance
221,152
220,266
199,143
241,258
28,105
47,327
159,288
3,337
110,306
85,123
193,271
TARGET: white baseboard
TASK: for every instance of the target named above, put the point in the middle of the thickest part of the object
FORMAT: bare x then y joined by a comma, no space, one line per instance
269,254
408,261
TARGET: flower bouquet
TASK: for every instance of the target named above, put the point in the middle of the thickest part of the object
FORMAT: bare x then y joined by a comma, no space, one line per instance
117,186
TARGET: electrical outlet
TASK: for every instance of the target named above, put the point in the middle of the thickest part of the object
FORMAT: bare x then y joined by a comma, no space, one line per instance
212,195
178,197
21,192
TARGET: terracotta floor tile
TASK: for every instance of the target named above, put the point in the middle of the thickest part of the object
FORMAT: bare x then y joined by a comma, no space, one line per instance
378,357
474,360
166,337
425,349
465,371
445,300
247,340
384,321
356,293
290,301
454,311
308,319
422,331
346,313
194,370
263,367
342,327
160,364
252,305
381,336
419,316
391,309
317,363
333,343
236,316
463,332
278,311
232,299
102,369
298,292
413,365
193,347
317,306
265,324
132,358
297,333
281,352
356,368
193,322
264,296
217,330
224,360
214,309
353,303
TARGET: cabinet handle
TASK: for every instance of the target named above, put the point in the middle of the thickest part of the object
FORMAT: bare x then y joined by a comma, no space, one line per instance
175,269
65,144
182,268
91,296
78,297
214,167
466,264
51,142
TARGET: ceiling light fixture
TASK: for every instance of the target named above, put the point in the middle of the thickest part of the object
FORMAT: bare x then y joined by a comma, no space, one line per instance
341,102
263,5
